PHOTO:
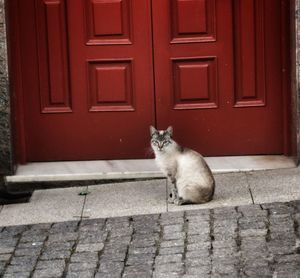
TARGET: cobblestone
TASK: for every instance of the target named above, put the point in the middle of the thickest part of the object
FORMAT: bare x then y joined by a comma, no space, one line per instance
247,241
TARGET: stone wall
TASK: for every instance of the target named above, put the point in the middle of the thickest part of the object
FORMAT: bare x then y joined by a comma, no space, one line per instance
5,123
295,77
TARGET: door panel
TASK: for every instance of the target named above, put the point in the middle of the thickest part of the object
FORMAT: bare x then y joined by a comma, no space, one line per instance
96,74
54,87
217,76
95,95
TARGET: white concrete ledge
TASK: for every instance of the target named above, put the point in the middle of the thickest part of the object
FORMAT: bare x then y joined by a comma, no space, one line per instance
136,169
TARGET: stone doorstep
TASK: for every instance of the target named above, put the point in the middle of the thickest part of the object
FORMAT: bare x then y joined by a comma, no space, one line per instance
44,175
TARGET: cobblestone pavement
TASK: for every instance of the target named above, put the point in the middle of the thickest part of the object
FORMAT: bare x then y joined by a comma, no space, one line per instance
245,241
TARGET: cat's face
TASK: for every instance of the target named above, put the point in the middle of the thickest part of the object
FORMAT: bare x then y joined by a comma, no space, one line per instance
161,140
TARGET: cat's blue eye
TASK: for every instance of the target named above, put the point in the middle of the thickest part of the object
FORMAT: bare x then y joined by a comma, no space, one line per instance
166,143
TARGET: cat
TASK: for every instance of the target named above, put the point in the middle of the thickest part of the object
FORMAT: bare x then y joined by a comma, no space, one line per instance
191,178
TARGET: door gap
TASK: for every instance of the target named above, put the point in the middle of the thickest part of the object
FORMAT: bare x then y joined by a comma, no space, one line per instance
153,65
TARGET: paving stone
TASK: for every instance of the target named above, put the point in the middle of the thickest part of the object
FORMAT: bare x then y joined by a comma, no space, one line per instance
144,274
82,266
175,235
290,274
231,243
258,272
19,268
253,232
171,250
143,242
69,226
51,264
33,238
225,213
80,274
109,266
141,259
142,250
121,232
55,254
27,252
244,224
107,275
281,247
165,259
288,258
92,224
84,257
17,275
230,260
199,270
203,275
227,275
62,245
92,237
172,243
172,228
2,265
170,219
197,253
170,268
146,269
199,261
6,249
197,230
256,262
198,246
167,275
224,252
33,245
228,242
47,273
252,210
198,238
5,257
89,247
63,237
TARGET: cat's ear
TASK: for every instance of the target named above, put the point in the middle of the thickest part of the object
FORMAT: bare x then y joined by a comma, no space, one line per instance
152,130
170,130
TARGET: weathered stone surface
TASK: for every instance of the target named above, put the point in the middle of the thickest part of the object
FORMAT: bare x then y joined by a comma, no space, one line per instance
6,152
237,242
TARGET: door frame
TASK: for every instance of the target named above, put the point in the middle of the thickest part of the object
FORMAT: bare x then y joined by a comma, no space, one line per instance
290,119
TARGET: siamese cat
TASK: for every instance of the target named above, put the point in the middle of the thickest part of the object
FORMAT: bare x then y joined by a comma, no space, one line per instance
191,178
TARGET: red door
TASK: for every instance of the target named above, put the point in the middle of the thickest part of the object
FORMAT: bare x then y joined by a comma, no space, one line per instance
218,74
97,73
89,93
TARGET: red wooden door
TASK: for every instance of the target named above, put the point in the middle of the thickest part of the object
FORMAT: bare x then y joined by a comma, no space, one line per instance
94,98
218,74
89,69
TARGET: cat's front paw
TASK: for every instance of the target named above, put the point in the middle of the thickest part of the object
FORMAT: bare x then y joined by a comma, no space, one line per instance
178,201
171,199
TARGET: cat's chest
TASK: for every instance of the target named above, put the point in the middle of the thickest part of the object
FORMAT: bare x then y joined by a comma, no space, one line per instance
166,162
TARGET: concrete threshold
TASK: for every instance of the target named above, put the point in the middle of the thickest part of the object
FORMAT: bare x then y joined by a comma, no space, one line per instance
68,171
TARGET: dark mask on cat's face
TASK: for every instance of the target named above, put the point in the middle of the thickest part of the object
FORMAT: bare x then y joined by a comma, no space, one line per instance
161,139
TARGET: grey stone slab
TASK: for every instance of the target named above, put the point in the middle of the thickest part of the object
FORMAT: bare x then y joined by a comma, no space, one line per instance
129,198
136,168
86,170
231,190
275,186
53,205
